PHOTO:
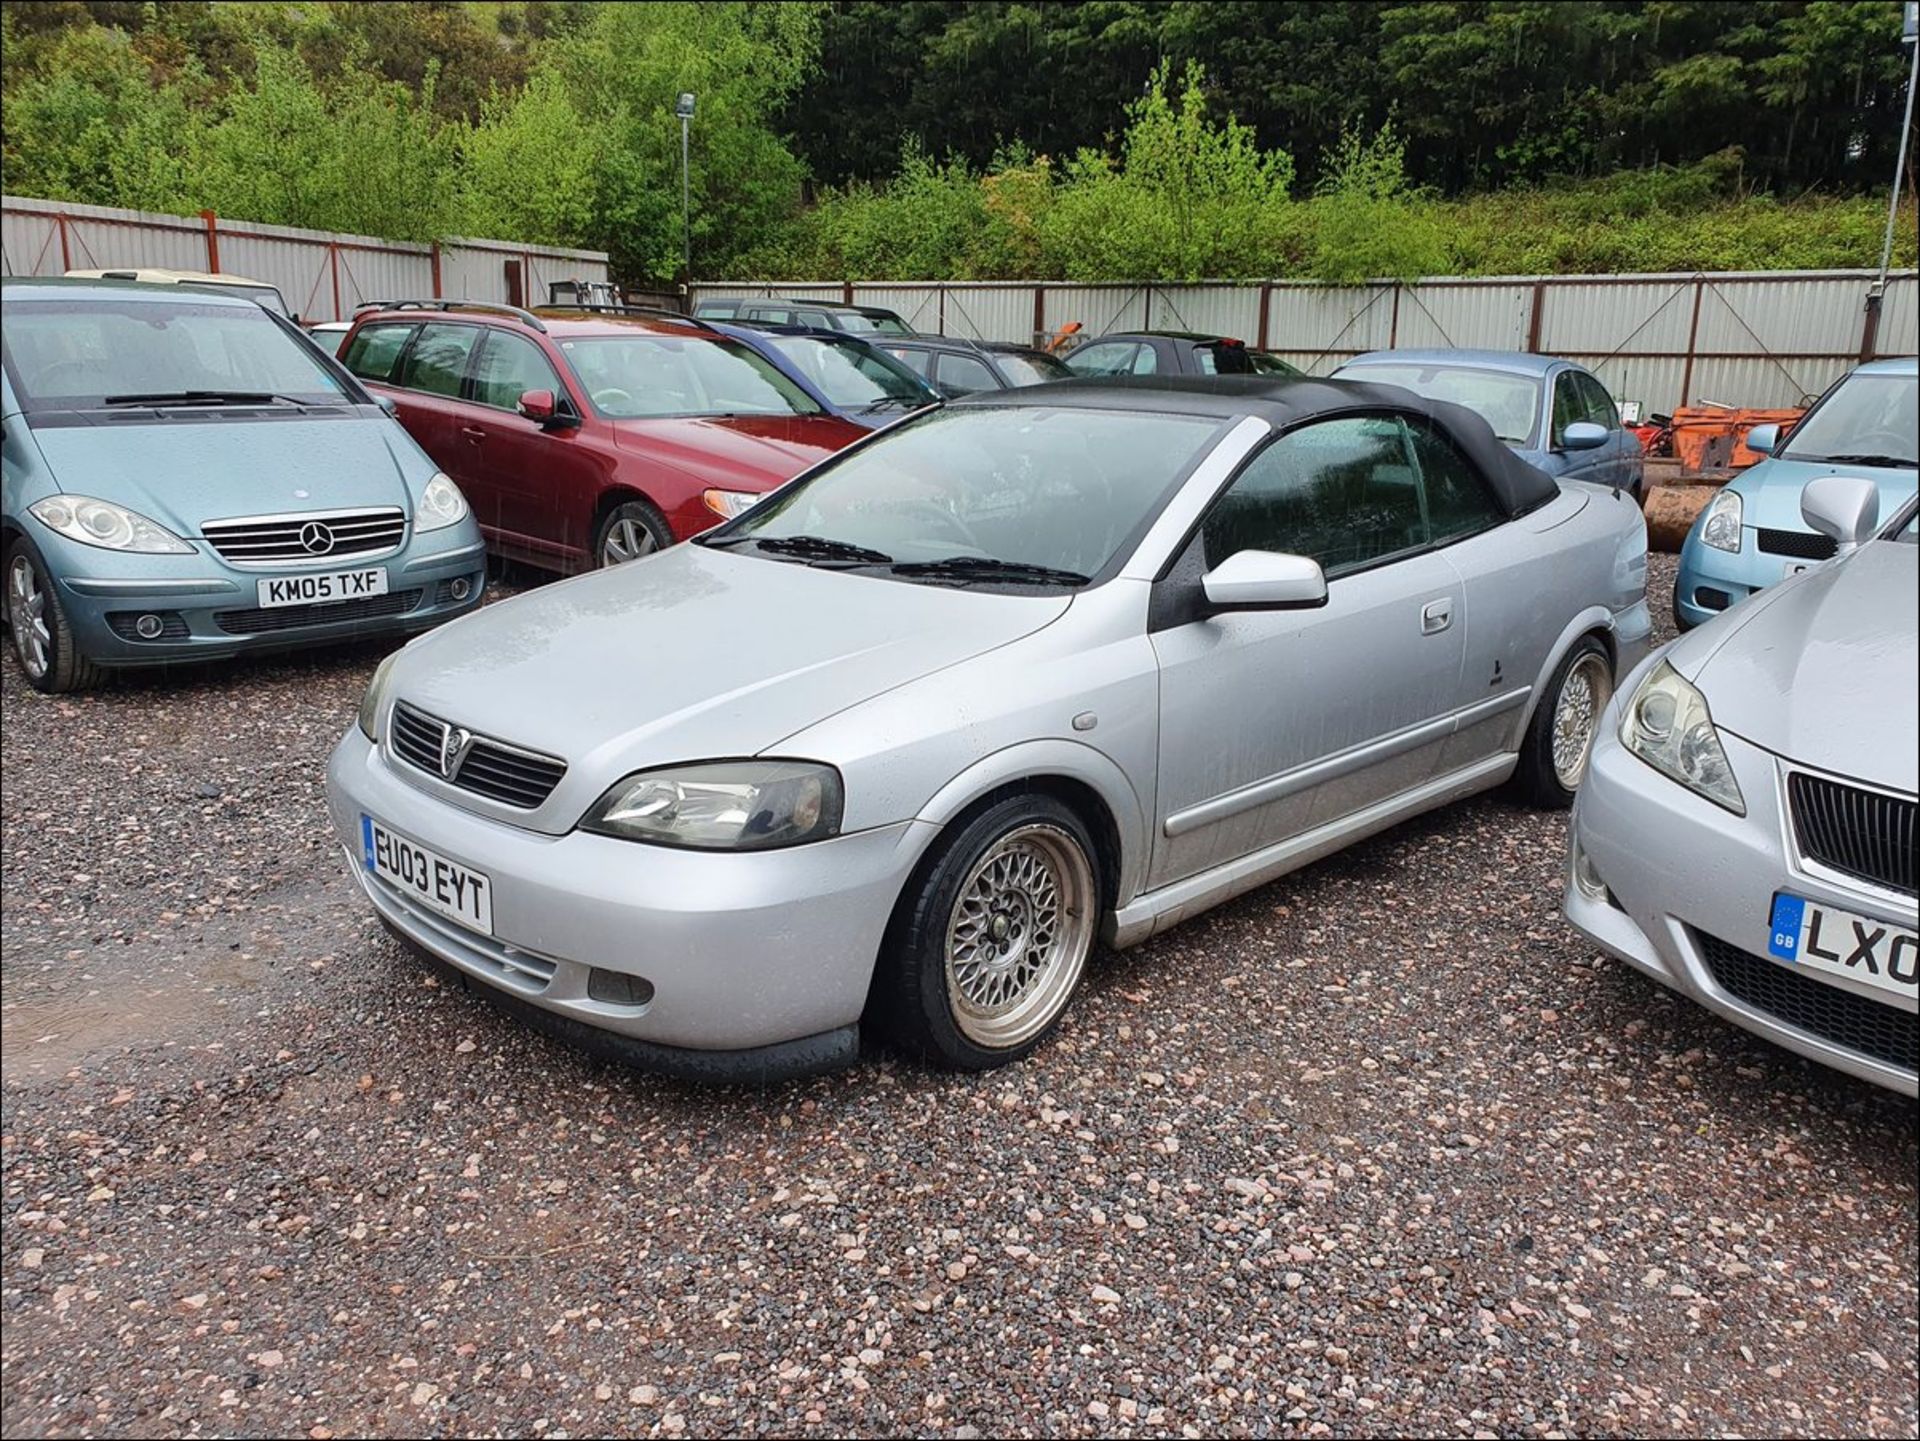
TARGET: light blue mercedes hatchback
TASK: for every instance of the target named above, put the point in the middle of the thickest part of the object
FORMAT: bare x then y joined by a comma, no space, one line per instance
187,478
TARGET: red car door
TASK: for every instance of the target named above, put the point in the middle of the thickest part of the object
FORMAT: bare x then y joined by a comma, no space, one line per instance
432,375
545,480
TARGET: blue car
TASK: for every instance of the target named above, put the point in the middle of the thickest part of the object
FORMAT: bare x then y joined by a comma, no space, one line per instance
853,379
187,478
1751,534
1553,413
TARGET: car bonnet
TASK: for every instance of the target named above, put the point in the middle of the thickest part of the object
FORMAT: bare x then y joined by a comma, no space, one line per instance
693,654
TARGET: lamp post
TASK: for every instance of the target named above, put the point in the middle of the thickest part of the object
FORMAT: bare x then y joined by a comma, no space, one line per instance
683,107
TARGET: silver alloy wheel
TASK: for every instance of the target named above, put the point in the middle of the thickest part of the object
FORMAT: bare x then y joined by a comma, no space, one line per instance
1583,696
27,614
626,540
1019,936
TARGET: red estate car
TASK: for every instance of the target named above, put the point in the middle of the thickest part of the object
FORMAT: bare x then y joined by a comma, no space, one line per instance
585,438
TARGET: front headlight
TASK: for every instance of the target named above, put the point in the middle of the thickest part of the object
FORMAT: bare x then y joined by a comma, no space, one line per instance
376,693
110,526
441,504
729,503
723,805
1667,725
1721,528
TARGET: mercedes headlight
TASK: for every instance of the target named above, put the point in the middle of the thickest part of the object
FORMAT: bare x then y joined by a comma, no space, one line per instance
376,693
441,504
110,526
723,805
1667,725
1721,528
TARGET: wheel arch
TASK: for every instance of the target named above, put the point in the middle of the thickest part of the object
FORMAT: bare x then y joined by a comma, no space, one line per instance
1596,621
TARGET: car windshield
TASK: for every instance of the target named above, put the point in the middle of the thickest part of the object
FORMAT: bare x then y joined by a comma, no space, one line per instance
1867,420
1507,402
658,377
853,375
1010,486
859,322
1022,368
85,352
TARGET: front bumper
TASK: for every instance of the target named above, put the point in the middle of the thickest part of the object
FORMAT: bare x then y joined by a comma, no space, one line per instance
1690,891
1711,581
737,951
208,610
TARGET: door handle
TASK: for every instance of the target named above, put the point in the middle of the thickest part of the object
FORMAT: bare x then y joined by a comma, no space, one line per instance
473,433
1436,616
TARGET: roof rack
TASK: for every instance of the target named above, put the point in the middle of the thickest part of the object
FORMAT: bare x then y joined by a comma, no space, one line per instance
525,317
589,307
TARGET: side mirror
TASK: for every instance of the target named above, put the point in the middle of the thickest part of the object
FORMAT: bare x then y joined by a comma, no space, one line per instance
1264,580
1584,435
1845,507
386,403
1763,439
537,405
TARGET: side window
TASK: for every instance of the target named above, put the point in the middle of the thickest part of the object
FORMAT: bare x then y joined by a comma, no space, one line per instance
438,359
915,360
1112,357
816,318
1458,502
1343,492
1569,404
964,374
510,365
1600,407
770,315
374,350
1146,362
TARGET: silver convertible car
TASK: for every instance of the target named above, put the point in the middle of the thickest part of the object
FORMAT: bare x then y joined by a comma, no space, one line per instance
1746,833
902,742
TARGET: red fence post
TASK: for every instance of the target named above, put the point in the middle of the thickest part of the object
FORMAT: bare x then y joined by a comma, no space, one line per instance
66,259
211,221
1533,323
1393,320
436,270
1693,336
1266,307
333,261
1040,314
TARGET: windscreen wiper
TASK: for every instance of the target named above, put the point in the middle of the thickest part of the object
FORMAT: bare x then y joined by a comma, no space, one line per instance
1897,462
987,568
204,397
818,547
905,402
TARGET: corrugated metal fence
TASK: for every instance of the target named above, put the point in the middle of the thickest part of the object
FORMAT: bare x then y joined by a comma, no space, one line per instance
322,275
1761,338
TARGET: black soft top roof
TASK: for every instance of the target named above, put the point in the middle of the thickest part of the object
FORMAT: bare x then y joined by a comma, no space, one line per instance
1287,401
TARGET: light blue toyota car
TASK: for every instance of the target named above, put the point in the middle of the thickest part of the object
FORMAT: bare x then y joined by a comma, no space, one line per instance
186,478
1752,533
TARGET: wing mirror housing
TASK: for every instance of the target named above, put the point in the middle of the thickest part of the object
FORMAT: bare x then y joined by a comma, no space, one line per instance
1265,580
1763,439
1846,507
386,403
543,408
1584,435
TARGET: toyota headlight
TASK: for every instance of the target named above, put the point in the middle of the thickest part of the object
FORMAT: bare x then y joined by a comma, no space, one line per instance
441,504
723,805
1667,725
1721,528
110,526
376,693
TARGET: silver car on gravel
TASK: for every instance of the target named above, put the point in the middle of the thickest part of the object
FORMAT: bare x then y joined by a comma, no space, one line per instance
1746,832
904,741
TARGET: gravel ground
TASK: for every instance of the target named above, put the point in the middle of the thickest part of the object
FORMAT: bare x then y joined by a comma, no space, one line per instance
1379,1149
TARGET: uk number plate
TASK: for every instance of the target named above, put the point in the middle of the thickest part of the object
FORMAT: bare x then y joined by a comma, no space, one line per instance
1826,938
317,589
457,892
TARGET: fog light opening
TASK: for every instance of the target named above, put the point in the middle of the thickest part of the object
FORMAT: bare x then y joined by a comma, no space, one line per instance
1586,879
148,627
461,588
617,988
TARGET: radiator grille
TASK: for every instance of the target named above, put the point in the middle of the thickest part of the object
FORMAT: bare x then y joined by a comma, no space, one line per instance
1859,832
320,536
1846,1018
491,768
1800,544
327,612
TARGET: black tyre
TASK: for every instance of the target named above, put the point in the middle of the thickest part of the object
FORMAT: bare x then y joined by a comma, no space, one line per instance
1553,758
988,943
629,531
43,640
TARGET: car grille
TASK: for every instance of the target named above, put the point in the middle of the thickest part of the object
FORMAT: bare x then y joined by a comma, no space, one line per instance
1859,832
1847,1019
326,612
492,768
1800,544
307,537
